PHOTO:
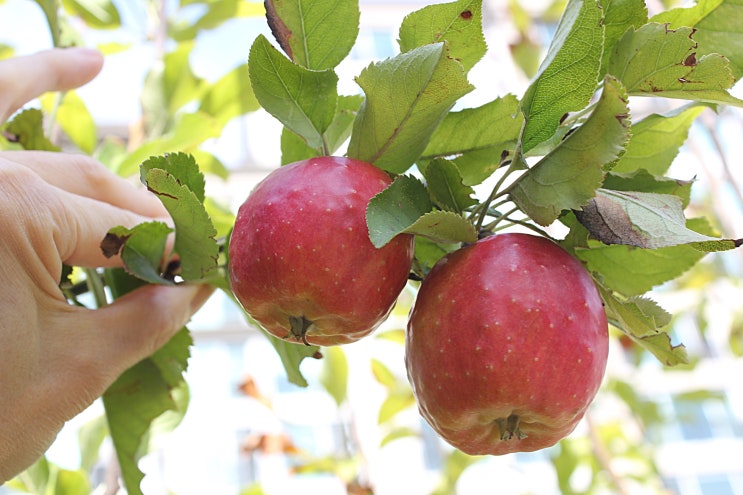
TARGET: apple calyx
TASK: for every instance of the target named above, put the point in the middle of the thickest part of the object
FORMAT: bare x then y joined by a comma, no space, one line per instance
299,326
509,428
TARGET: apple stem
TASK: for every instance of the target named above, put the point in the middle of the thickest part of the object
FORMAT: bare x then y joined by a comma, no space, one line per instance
299,326
509,428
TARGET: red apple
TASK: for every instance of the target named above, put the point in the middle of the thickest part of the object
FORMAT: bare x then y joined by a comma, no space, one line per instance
506,345
301,262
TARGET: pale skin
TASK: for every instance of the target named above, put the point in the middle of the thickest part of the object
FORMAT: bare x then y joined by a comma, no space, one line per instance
55,358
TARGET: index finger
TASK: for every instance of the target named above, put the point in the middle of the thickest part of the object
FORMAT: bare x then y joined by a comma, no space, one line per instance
24,78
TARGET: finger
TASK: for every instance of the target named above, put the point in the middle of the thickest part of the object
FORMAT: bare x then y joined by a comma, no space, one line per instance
112,339
24,78
82,224
84,176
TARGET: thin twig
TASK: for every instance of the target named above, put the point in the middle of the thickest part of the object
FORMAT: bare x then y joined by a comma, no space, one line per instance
604,456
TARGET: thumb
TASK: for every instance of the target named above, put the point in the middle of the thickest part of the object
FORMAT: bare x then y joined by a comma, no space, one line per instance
136,325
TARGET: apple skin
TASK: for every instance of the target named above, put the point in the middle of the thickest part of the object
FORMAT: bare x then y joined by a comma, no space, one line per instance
506,345
300,259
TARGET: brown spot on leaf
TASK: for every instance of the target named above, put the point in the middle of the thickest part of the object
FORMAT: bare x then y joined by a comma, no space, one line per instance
466,15
608,223
691,60
111,244
279,30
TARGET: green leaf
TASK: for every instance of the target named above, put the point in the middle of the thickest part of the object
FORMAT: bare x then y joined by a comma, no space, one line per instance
97,14
334,374
291,356
428,252
643,320
633,271
340,128
181,166
619,15
568,75
645,220
642,181
316,35
294,148
170,419
569,175
656,140
477,138
194,232
396,208
637,316
74,118
230,96
51,13
406,98
443,227
223,218
142,249
458,23
446,187
719,25
27,129
189,131
661,347
303,100
657,61
138,397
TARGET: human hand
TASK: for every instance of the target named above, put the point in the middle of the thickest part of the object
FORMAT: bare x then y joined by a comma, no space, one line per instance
55,208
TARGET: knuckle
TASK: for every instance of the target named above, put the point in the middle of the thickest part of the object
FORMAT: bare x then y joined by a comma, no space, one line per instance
95,174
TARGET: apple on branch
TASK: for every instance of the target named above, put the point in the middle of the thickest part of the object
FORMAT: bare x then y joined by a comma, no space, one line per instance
507,345
301,262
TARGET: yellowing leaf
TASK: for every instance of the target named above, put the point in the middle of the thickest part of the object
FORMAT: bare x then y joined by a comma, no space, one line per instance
719,28
74,118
